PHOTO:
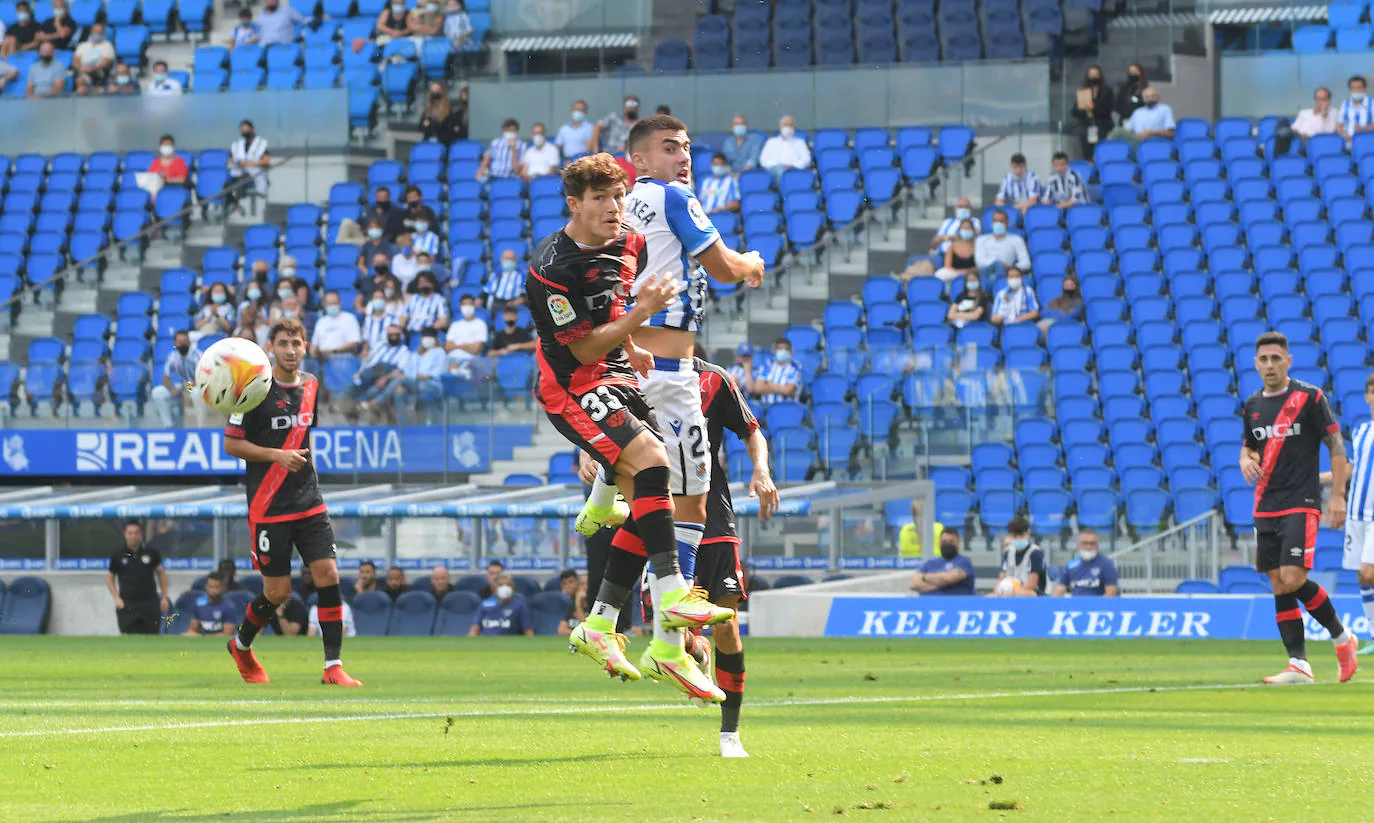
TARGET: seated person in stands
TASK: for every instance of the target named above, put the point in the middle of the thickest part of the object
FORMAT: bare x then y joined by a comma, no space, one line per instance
216,315
575,587
467,335
1016,302
1090,573
439,581
427,308
212,614
495,569
1068,305
394,22
1023,563
503,613
457,24
511,337
950,573
781,379
395,585
959,253
337,332
422,384
377,251
972,304
1020,187
290,619
229,573
1000,249
367,577
427,20
251,326
171,168
350,629
121,81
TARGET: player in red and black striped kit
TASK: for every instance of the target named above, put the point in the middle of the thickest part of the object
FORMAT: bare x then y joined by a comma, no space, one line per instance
285,509
1286,423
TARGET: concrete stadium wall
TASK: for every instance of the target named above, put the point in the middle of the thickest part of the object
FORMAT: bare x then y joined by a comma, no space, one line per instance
1258,85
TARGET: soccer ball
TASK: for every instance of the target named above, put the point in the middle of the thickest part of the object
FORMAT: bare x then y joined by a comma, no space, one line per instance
233,375
1007,585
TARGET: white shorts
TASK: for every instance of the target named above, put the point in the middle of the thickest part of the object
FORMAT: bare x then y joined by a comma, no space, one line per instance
673,390
1359,544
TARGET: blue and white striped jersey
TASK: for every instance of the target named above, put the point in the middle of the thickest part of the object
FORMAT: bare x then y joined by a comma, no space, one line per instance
675,230
375,326
1354,115
1361,504
1016,190
422,311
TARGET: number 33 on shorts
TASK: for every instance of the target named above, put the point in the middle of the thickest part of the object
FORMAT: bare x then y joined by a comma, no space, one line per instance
600,403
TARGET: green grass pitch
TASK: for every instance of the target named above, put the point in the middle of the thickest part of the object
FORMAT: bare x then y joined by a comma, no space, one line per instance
130,730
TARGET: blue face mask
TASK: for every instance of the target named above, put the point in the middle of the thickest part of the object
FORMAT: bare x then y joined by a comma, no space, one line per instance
217,297
578,115
254,294
966,234
720,171
332,311
999,229
1020,543
962,213
782,356
740,131
507,265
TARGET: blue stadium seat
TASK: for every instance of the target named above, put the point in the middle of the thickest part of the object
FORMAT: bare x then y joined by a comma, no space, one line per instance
27,603
548,610
457,610
372,613
412,615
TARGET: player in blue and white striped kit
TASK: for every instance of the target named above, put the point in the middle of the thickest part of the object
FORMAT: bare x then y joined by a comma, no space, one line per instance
1359,521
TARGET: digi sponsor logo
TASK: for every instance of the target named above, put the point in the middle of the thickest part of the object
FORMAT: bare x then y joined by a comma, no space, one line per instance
1280,431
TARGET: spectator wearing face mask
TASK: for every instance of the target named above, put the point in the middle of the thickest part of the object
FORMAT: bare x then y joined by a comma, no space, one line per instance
574,137
1130,96
392,217
719,191
949,229
949,574
743,369
1068,305
254,293
92,62
502,157
249,156
1152,119
542,157
376,251
467,334
1020,187
288,305
377,319
1023,563
785,150
1356,113
1093,106
277,23
427,308
511,337
170,397
251,326
58,29
506,284
168,166
742,148
971,306
404,265
421,386
424,238
47,77
999,250
1090,574
1015,303
336,332
427,20
779,380
121,81
503,614
610,132
457,24
440,119
22,35
163,84
246,33
960,254
216,315
385,365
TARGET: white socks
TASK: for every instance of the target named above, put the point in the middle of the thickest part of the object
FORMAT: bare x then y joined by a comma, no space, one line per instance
603,491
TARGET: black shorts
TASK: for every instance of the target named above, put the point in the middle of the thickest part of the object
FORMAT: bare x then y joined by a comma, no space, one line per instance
603,421
718,571
312,537
1286,540
140,617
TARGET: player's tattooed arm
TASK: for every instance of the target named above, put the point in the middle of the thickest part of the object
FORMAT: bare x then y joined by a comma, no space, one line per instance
1340,473
1335,444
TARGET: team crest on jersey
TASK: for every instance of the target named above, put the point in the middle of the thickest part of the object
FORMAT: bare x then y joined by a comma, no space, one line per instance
698,216
616,419
560,310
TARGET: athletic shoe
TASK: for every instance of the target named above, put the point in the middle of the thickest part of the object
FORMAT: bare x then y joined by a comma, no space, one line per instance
1345,655
703,653
606,648
730,745
336,676
249,668
693,611
1291,676
593,519
1367,648
681,673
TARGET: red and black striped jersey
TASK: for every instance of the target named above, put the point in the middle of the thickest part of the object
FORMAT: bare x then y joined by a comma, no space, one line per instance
1287,430
571,290
283,420
725,407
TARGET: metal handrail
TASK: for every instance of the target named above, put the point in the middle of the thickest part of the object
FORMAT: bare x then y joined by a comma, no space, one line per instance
1170,532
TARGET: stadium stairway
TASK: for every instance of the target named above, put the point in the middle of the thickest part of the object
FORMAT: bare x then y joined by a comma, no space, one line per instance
531,459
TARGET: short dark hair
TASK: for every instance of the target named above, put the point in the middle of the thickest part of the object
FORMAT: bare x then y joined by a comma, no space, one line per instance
1323,88
509,122
1018,525
289,325
1357,78
1087,530
162,63
1272,338
429,331
1018,159
496,563
950,530
368,563
381,189
215,576
180,332
596,171
128,523
720,155
164,138
650,125
414,189
1002,214
1059,155
396,569
566,574
783,341
663,109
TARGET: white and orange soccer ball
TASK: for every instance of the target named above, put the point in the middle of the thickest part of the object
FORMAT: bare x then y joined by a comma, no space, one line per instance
1007,586
233,375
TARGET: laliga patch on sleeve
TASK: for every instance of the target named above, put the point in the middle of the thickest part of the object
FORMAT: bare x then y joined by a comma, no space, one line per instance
698,216
560,310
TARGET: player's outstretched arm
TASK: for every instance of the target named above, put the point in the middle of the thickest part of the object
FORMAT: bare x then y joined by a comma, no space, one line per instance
291,459
726,265
761,485
653,297
1340,473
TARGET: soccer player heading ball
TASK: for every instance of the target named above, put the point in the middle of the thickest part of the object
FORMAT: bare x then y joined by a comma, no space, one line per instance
1285,424
285,508
578,286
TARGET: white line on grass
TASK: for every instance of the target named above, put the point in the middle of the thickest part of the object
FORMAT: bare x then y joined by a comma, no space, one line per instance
631,707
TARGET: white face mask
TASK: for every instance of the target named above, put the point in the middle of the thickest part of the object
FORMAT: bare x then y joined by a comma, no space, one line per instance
578,115
428,342
1013,283
962,213
538,140
467,311
511,135
378,305
504,592
787,132
1087,555
166,151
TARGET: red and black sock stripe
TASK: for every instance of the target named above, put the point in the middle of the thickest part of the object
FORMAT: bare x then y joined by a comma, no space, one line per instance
1313,596
653,513
1289,618
730,678
254,618
330,605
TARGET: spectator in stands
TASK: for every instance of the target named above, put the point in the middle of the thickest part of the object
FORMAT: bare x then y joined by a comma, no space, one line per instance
1356,114
212,614
1064,187
439,582
167,165
742,148
249,155
780,379
377,250
949,574
384,366
504,154
439,121
912,533
467,335
229,573
394,294
391,217
960,257
426,21
503,613
506,283
427,308
743,370
949,230
785,150
137,570
121,81
287,304
414,201
277,23
253,295
1090,573
422,385
163,84
47,77
610,132
216,315
511,337
304,584
22,35
495,571
542,157
337,332
93,60
394,22
971,305
1131,95
1152,119
169,398
571,584
367,577
457,24
1022,561
350,628
246,33
8,72
1320,119
575,136
1093,110
290,619
375,323
1015,303
395,584
720,190
404,265
1068,305
1020,187
999,250
424,238
59,29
